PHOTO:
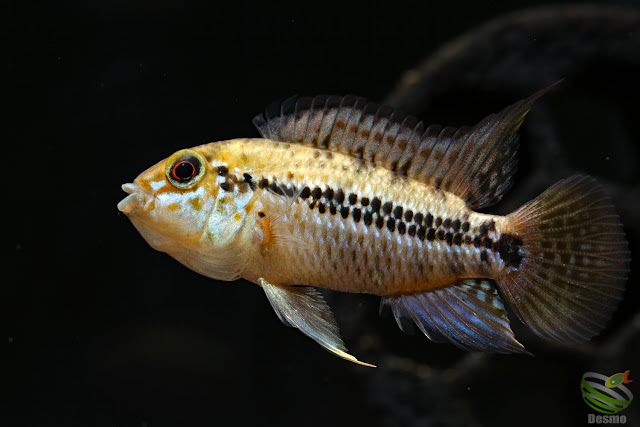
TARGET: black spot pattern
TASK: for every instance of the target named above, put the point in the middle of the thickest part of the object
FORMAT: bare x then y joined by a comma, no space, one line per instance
357,213
328,194
424,226
344,212
397,212
375,205
431,234
368,218
422,233
275,188
448,238
402,228
248,179
391,224
457,239
484,228
429,220
508,246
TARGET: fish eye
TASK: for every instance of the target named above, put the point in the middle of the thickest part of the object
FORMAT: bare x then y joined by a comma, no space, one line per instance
185,169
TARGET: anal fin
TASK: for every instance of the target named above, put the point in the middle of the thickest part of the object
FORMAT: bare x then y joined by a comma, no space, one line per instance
469,314
304,308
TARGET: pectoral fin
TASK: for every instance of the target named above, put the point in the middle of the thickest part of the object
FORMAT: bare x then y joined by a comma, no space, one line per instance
305,309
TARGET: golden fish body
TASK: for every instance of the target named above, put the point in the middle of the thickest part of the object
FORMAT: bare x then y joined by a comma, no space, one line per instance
348,225
345,196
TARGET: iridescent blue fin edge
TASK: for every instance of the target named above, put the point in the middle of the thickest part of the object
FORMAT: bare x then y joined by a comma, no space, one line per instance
469,314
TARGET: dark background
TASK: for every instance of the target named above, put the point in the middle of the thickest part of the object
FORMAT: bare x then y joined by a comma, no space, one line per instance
101,330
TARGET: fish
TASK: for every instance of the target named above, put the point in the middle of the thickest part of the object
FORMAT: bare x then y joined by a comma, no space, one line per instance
343,194
616,379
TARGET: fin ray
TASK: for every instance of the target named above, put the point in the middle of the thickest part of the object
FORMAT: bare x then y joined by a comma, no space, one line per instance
574,261
475,163
469,314
304,308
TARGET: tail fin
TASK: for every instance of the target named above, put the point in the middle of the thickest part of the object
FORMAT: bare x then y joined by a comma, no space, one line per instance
569,272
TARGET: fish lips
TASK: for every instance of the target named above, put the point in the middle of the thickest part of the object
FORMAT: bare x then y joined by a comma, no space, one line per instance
138,200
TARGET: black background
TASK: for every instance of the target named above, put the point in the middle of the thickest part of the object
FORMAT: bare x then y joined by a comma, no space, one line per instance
101,330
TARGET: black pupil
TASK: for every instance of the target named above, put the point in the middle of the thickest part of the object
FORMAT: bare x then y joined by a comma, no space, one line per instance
184,171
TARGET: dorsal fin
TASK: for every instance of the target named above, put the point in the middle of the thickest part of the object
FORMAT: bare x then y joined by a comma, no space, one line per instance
475,163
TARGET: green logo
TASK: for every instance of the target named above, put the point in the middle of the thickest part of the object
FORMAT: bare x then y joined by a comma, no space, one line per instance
606,394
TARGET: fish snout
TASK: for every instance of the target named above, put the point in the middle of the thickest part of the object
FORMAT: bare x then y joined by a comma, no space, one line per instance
138,199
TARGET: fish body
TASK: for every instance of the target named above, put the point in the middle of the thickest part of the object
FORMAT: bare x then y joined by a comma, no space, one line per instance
616,379
345,195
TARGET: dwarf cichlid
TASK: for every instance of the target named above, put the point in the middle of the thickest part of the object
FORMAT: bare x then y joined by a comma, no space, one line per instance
343,194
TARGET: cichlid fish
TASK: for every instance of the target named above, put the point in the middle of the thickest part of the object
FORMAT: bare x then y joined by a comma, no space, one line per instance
343,194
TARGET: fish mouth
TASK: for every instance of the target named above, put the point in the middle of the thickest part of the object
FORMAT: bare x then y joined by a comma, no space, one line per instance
138,199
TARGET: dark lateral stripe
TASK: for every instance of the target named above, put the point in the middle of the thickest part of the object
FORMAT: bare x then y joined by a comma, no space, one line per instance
395,218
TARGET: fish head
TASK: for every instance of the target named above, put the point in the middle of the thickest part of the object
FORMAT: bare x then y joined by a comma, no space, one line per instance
170,203
191,207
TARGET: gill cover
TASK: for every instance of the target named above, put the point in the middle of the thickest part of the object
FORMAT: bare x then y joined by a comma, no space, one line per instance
226,239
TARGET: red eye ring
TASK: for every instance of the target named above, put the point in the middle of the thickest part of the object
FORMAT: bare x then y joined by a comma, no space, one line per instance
184,170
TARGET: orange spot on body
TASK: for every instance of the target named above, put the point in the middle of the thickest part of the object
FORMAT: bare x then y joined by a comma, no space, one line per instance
196,204
268,234
249,206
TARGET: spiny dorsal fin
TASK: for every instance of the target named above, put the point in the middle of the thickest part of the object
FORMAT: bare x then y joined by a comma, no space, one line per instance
474,163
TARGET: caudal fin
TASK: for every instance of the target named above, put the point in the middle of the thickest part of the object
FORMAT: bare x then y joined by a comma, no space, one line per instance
572,262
